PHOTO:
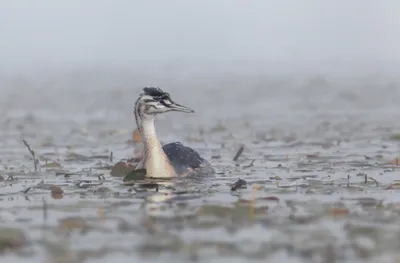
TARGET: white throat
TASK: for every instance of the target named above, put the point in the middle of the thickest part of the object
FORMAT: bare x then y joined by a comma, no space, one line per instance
155,160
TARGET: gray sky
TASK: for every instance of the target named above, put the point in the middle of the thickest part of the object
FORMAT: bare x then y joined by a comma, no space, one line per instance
209,33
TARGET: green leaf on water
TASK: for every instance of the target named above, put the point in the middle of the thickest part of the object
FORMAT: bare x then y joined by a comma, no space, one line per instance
395,137
135,175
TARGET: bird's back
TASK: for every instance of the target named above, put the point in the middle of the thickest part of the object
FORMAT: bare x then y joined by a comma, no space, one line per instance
186,161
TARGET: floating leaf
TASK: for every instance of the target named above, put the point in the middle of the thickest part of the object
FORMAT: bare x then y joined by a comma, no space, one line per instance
395,137
336,211
396,161
56,190
135,175
218,128
394,186
121,169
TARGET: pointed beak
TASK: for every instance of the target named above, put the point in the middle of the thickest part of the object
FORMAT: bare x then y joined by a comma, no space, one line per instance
181,108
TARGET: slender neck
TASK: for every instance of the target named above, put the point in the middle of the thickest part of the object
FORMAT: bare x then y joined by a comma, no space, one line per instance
148,132
155,160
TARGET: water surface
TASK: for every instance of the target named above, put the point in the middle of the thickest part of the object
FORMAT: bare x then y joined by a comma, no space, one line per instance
318,161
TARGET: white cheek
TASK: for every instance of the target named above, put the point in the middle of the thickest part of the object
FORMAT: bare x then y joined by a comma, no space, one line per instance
158,109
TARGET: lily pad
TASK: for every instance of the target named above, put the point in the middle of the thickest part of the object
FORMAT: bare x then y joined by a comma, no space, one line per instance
135,175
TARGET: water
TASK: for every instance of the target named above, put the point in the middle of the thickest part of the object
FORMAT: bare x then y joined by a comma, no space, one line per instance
317,191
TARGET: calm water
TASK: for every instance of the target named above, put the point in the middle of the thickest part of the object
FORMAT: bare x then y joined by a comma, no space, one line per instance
317,191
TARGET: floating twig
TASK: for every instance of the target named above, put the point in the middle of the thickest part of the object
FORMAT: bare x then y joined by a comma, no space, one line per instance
348,180
239,152
27,190
10,178
250,165
32,153
373,179
44,212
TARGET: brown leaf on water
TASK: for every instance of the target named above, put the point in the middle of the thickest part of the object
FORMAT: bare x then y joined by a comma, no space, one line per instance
121,169
56,189
57,196
336,211
394,186
56,192
396,161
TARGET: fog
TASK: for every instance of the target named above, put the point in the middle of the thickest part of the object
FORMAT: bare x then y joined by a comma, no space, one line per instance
224,35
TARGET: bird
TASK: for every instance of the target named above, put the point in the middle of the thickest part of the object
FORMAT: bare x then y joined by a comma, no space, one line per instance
171,160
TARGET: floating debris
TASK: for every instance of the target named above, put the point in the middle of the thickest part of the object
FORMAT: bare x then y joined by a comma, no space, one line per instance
56,192
394,186
250,165
239,152
239,184
135,175
35,161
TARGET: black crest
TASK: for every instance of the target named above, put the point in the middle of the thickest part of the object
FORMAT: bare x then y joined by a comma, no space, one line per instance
154,92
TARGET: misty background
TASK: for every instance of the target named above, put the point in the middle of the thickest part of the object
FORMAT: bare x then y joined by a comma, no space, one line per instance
225,35
227,59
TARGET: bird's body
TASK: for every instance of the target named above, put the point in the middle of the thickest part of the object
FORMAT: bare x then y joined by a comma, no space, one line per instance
185,160
170,160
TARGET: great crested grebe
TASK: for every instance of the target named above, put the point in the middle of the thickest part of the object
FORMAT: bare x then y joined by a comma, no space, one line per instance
172,159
